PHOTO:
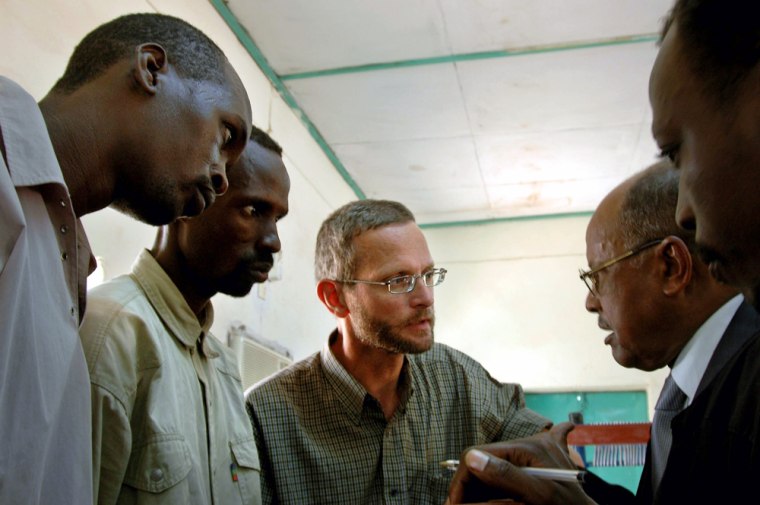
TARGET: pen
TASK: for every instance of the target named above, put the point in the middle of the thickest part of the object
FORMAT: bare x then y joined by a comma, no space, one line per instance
541,473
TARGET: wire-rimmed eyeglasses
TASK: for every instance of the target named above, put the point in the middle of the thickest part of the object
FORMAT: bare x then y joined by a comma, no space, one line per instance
590,278
405,283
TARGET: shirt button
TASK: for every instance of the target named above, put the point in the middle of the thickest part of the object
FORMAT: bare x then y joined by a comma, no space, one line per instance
394,492
64,229
156,474
63,203
64,255
73,311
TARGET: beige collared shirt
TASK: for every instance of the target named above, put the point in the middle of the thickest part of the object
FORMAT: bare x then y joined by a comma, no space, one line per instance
45,453
169,423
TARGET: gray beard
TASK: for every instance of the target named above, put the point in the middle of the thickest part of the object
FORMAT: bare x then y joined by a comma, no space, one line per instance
383,336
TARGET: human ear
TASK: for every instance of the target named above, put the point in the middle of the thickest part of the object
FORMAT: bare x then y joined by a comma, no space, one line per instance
330,295
150,60
677,265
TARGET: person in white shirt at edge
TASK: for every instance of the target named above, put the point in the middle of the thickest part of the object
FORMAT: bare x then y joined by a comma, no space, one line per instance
145,118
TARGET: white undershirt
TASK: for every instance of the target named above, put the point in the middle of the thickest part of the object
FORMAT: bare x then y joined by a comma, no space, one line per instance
692,362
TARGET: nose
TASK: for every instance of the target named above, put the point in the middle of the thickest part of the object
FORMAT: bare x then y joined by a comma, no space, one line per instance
685,214
684,209
271,239
422,295
219,180
592,302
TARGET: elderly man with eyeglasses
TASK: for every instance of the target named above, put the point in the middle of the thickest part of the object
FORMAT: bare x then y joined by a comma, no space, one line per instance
663,308
370,418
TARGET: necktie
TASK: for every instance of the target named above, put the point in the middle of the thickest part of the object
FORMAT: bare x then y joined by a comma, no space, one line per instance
670,403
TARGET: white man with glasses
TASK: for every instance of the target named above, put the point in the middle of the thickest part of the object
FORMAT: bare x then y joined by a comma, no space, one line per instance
370,418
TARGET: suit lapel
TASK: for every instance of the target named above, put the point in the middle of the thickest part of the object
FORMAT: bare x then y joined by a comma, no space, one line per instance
744,325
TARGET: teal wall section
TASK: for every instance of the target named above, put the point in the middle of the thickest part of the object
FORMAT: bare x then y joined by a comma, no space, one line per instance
597,407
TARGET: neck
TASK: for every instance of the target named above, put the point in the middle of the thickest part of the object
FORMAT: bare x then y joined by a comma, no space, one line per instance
165,254
375,369
79,143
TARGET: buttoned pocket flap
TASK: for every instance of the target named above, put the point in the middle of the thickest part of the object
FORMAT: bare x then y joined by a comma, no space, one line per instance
245,452
159,464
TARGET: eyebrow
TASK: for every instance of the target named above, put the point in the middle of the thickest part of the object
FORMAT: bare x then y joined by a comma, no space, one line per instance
400,273
263,205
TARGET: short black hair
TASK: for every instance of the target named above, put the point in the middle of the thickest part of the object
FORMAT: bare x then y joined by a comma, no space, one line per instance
263,139
192,53
723,38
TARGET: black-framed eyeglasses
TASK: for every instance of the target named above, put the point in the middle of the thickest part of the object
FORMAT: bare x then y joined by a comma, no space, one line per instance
589,277
405,283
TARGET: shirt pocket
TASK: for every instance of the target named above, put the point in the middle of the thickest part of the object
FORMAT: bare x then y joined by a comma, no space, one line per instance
246,457
438,481
159,464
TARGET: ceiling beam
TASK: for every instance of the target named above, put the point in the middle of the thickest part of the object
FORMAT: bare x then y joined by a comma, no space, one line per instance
483,55
478,222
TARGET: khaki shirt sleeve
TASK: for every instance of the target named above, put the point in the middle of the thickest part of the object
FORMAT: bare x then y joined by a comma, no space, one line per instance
111,445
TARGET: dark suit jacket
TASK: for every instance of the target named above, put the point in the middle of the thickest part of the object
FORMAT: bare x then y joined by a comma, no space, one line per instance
715,455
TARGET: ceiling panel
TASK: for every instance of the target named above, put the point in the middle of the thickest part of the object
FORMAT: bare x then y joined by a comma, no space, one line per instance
402,103
304,35
552,197
462,109
558,156
599,86
488,25
440,205
425,164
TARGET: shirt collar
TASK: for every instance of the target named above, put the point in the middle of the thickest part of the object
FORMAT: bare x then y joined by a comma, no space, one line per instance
31,158
171,306
691,363
351,394
348,390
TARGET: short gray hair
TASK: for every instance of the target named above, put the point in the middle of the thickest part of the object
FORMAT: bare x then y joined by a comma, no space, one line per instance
334,255
649,208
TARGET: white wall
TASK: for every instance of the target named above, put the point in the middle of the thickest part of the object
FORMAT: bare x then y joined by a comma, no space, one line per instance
512,298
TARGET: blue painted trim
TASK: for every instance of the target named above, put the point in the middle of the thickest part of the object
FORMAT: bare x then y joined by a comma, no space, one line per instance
480,222
484,55
287,96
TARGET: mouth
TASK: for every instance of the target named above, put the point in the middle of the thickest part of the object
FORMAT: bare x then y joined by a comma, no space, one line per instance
716,272
420,324
715,263
606,327
200,200
603,325
260,271
208,195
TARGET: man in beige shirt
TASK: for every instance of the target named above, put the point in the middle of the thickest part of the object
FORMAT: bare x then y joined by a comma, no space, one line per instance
169,424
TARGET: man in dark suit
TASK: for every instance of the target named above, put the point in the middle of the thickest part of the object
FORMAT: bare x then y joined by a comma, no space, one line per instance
664,309
705,96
